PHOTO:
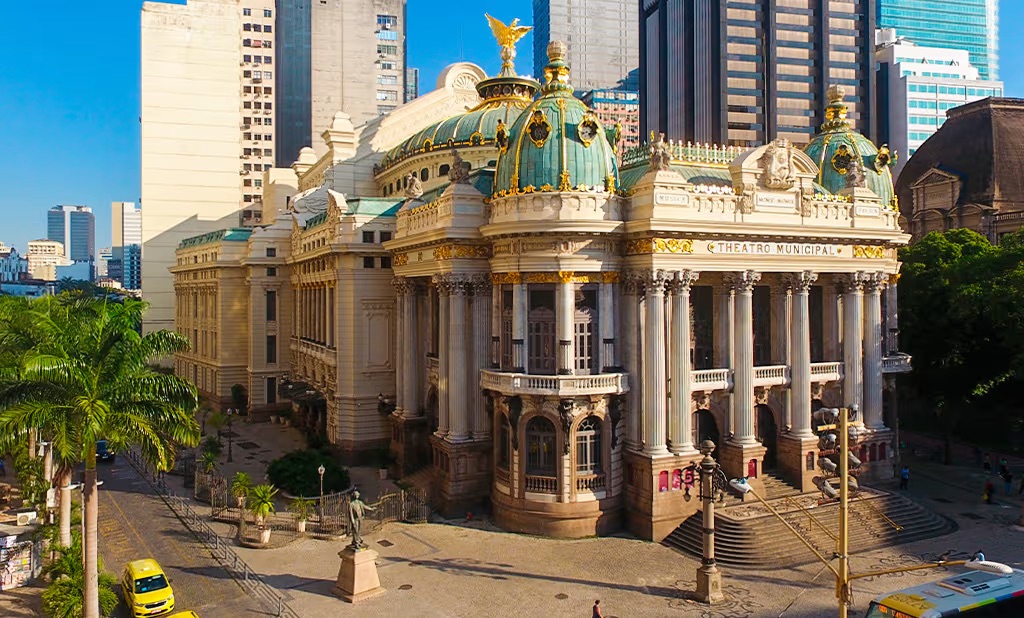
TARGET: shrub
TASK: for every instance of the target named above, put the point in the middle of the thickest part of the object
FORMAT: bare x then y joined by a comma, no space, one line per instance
212,445
303,508
261,502
296,473
63,597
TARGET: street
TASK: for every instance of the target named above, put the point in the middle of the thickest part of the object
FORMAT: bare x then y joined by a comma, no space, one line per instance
135,523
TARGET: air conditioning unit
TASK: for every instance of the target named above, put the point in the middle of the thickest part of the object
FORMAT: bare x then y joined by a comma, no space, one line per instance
26,517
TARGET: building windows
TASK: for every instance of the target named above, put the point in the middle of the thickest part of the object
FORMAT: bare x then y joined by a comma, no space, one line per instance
247,12
271,271
268,28
267,152
368,237
367,262
588,446
246,42
271,252
385,262
271,390
384,109
387,65
385,236
387,95
387,35
387,21
256,28
504,444
387,80
271,305
268,13
267,45
540,447
387,50
271,349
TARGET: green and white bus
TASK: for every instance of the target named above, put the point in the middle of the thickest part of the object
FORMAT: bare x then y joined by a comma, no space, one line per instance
993,591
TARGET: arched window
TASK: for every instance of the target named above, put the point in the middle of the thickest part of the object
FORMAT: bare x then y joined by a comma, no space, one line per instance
588,446
443,171
504,444
540,447
424,174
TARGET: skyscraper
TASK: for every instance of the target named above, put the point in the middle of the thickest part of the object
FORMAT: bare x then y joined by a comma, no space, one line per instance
126,232
336,55
602,40
745,73
75,228
971,25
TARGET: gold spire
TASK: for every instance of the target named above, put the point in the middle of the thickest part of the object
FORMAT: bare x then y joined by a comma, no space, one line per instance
507,37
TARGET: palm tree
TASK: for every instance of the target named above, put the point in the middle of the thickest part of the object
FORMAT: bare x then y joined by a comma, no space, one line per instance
241,483
261,505
92,380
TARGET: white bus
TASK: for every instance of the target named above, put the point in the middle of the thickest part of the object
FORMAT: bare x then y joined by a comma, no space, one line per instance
993,591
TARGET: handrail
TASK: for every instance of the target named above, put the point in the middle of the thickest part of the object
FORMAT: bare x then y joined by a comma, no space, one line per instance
878,511
785,523
791,501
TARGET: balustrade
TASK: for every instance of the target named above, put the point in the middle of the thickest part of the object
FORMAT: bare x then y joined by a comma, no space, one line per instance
542,484
592,483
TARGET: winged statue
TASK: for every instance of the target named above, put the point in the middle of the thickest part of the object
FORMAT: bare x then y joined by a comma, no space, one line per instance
507,36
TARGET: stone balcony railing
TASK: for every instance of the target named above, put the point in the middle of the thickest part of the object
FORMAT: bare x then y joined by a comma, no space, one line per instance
542,484
826,372
559,386
711,379
312,348
771,375
899,363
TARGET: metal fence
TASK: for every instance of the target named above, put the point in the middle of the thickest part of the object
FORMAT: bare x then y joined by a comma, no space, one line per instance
235,566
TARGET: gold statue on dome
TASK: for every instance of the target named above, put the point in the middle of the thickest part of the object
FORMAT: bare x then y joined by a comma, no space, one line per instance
507,37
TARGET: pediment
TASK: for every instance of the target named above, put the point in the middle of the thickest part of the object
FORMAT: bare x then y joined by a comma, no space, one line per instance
935,176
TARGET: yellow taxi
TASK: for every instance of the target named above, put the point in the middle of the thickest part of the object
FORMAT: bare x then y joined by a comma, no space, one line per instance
188,614
146,589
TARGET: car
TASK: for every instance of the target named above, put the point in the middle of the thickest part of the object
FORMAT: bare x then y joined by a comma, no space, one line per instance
103,452
188,614
146,588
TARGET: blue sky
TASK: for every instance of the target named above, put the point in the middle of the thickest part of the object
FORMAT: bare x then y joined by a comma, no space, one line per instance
69,95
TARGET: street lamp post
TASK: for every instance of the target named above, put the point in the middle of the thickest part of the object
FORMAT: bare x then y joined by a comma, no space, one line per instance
709,578
321,470
231,416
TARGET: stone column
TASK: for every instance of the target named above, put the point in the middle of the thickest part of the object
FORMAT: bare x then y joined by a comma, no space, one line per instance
521,310
872,406
566,316
654,365
831,320
457,361
853,336
443,283
495,326
800,361
680,430
892,317
724,302
482,300
743,371
606,318
630,341
400,284
410,387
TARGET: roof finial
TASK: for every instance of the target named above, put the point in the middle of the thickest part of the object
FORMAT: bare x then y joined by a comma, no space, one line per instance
556,73
507,37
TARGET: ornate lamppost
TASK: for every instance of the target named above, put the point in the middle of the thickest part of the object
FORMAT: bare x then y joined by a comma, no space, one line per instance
321,470
712,484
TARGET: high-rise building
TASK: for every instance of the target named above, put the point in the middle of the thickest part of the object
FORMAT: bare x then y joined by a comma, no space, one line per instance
746,73
602,40
336,55
971,25
617,106
126,232
103,261
208,124
44,256
75,228
412,83
916,87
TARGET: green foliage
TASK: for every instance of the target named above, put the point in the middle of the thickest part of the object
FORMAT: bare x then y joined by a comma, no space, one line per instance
962,320
303,508
63,596
296,473
241,483
211,445
260,501
208,461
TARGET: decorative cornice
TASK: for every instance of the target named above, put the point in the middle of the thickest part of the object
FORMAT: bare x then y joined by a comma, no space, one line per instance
506,278
400,259
869,251
641,246
449,252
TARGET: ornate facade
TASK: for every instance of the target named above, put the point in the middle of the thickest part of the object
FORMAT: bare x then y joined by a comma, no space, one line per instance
555,332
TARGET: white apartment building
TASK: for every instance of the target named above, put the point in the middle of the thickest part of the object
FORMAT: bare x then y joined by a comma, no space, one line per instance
44,256
917,85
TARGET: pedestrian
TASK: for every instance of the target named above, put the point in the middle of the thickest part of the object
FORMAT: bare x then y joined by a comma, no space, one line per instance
987,494
905,477
3,470
1008,479
597,610
988,464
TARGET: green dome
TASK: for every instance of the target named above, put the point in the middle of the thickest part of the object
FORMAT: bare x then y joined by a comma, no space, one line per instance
837,145
557,143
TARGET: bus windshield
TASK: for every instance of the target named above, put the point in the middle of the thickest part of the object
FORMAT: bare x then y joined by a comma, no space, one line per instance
971,594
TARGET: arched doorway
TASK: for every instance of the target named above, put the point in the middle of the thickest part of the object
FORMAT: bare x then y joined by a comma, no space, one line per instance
768,434
707,429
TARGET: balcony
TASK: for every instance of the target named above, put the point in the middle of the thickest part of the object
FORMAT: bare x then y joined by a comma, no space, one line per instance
711,379
592,483
771,375
826,372
898,363
542,484
558,386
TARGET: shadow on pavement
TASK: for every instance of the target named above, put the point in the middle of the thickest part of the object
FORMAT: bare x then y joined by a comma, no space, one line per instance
287,581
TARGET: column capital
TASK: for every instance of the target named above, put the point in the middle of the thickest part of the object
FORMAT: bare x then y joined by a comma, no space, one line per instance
681,280
875,282
631,284
481,284
654,281
851,283
452,284
743,281
801,281
404,285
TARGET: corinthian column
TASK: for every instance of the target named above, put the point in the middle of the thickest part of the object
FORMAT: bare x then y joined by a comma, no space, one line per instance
680,430
410,386
743,370
873,286
496,326
800,357
853,336
400,284
481,327
566,316
654,365
521,309
630,345
606,317
457,366
443,283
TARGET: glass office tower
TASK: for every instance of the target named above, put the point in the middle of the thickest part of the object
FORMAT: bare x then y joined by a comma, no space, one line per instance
972,25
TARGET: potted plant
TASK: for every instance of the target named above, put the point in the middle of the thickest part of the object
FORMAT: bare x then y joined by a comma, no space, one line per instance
285,416
302,508
261,504
208,461
240,486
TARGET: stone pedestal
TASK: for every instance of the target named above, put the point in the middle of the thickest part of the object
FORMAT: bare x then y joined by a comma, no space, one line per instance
792,458
357,578
709,584
462,473
743,461
654,510
410,444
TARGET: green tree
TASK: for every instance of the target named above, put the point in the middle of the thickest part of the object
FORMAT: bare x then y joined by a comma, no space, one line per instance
63,598
90,380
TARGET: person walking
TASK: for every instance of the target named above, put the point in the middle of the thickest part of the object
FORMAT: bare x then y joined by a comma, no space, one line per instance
1008,480
597,610
905,477
987,493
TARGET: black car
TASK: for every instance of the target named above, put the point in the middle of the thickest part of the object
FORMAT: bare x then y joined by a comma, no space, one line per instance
103,452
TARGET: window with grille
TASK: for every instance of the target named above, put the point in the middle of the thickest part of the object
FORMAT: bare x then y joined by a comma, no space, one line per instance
540,447
588,446
541,341
584,328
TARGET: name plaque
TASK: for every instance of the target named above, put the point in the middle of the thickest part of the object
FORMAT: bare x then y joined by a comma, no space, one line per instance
862,210
743,247
775,201
671,199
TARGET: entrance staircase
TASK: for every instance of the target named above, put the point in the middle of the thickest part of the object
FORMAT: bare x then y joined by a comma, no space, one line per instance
748,536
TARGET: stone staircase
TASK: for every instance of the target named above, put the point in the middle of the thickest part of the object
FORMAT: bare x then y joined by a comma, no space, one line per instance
748,536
